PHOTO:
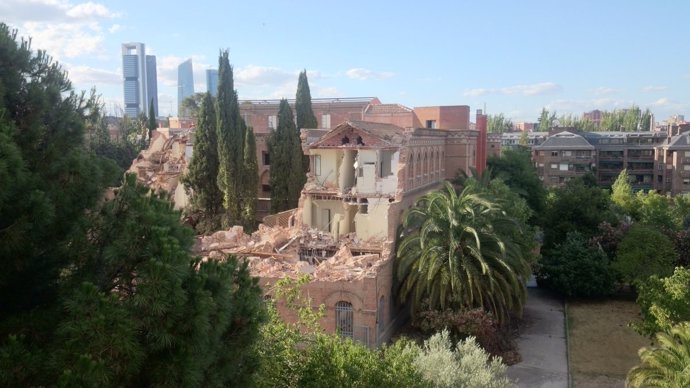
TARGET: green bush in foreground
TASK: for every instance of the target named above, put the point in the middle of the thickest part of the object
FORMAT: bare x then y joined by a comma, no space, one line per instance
301,355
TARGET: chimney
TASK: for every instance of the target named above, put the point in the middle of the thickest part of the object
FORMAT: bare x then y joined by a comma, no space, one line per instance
482,140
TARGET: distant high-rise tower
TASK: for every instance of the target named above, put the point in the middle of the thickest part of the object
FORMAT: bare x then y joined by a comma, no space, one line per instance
185,85
212,81
140,79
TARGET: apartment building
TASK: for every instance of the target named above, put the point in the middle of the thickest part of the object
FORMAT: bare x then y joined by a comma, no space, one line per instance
563,156
633,151
654,160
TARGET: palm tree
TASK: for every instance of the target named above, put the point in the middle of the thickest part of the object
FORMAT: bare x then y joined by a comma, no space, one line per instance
457,251
667,365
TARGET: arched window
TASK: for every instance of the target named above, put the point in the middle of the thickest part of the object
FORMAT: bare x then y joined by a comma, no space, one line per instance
344,318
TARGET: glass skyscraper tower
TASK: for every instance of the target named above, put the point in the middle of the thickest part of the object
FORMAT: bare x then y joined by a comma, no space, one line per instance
185,85
140,79
212,81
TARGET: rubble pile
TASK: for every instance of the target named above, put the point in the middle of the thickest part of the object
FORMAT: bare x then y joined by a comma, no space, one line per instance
274,252
161,165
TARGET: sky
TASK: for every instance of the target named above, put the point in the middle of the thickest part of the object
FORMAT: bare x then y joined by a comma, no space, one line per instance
510,57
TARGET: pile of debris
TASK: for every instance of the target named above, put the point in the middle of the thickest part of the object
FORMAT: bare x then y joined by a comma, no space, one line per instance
162,164
275,252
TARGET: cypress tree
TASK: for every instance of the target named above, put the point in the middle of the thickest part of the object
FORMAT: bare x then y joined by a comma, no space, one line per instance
287,174
230,143
303,109
250,180
152,122
202,174
305,118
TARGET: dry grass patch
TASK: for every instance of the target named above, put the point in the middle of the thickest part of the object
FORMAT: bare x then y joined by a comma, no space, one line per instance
602,346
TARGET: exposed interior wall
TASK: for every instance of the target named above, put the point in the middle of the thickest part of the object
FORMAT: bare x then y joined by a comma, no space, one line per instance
366,176
388,161
372,223
346,171
327,175
324,213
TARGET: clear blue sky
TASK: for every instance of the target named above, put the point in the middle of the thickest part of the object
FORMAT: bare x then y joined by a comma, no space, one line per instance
514,57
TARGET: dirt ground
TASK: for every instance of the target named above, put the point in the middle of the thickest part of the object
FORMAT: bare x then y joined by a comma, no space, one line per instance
602,345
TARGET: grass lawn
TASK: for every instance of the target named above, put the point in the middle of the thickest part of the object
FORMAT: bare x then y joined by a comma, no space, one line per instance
602,346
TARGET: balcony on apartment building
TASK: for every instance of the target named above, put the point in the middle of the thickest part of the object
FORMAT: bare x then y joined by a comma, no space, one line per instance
611,155
640,167
640,155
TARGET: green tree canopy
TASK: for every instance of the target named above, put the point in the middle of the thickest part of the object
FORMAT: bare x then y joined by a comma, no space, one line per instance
152,122
576,268
546,120
101,290
643,252
515,168
202,174
576,207
665,302
235,172
632,119
250,177
622,195
287,173
47,176
303,109
578,123
457,250
499,124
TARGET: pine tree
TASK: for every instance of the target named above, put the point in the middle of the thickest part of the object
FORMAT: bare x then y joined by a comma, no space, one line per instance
47,176
250,172
101,292
152,121
303,109
287,174
230,130
202,174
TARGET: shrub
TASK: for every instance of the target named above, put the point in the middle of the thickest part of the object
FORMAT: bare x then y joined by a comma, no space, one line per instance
644,251
576,268
466,365
465,323
664,302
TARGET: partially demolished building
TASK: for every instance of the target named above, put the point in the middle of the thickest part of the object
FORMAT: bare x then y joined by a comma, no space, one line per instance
363,176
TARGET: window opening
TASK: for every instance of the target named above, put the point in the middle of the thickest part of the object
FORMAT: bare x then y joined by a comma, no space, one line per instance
344,319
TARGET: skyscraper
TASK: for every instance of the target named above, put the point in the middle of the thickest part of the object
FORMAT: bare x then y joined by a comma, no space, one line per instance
140,79
185,85
212,81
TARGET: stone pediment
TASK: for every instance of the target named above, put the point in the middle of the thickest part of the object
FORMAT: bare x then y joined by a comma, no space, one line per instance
362,134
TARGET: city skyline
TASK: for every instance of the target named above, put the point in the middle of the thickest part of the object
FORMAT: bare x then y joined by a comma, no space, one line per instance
510,58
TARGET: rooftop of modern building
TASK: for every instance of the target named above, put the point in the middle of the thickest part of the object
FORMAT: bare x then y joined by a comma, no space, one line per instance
565,140
314,101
